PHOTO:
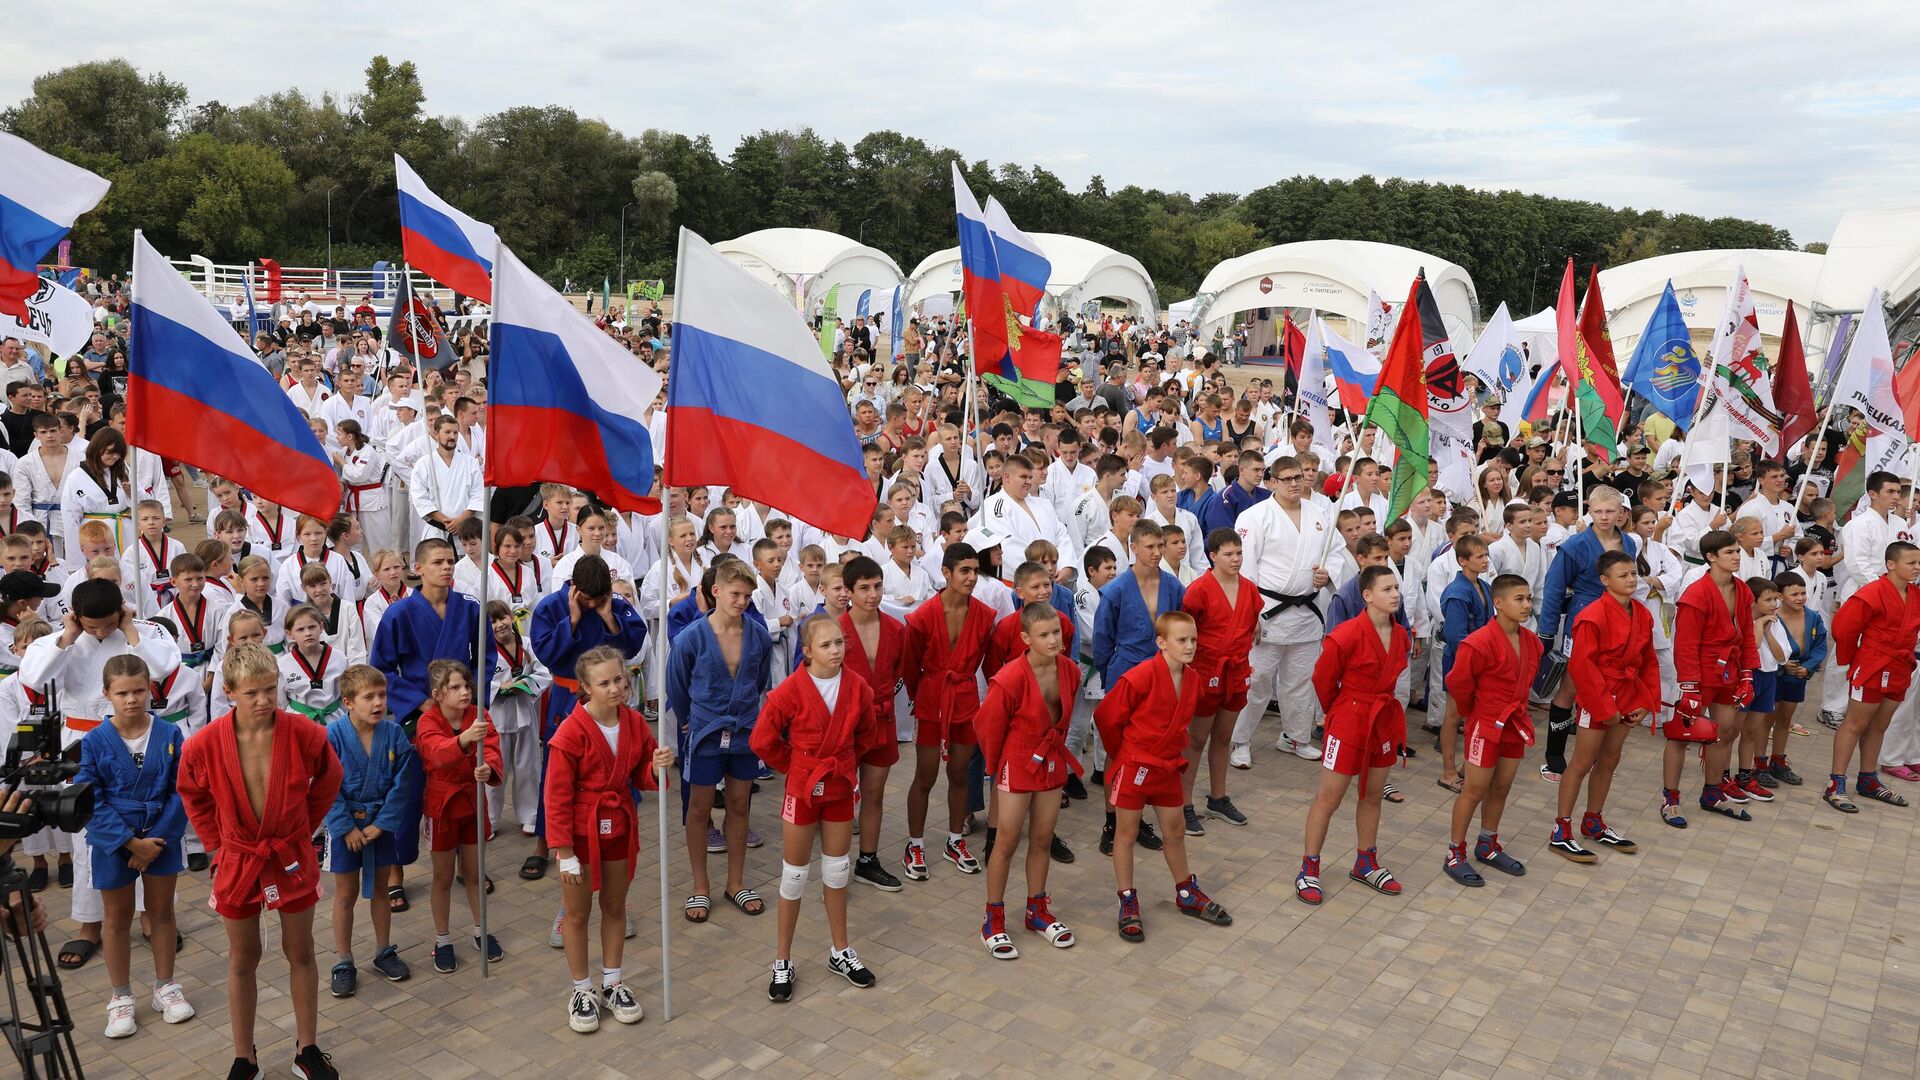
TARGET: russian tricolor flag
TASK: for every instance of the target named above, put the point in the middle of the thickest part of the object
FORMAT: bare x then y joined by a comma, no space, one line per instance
441,242
751,403
197,394
1022,268
40,196
565,401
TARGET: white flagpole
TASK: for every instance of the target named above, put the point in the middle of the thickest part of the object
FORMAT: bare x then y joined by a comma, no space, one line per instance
482,698
660,649
1346,478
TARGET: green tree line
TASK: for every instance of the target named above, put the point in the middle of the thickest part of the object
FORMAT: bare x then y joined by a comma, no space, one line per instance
265,178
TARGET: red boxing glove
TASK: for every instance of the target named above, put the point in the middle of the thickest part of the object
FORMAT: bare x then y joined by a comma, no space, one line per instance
1743,694
1689,705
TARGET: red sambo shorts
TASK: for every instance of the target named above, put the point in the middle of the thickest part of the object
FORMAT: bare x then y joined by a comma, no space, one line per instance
1132,786
952,733
1487,743
448,833
1874,687
1348,750
833,801
1224,686
255,906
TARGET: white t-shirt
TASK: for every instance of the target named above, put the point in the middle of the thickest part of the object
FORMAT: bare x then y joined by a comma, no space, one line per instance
829,690
611,733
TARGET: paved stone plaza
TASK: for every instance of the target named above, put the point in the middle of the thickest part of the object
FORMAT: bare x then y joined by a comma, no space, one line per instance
1780,948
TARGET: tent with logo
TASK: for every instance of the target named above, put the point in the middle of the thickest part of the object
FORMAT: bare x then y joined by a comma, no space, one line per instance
1333,277
1700,282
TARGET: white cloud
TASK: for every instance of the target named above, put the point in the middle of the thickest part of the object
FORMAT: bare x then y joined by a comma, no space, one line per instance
1764,110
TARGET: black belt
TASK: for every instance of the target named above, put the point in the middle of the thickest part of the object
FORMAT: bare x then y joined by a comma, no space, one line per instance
1310,601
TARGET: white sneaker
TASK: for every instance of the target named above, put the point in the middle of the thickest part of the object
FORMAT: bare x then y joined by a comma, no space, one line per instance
171,1003
1305,750
120,1019
622,1004
1241,756
554,937
583,1011
631,932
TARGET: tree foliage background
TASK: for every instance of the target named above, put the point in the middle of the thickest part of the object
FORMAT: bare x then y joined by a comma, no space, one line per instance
237,182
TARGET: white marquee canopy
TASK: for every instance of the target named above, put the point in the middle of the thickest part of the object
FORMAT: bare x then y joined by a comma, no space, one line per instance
1082,270
804,264
1700,283
1334,277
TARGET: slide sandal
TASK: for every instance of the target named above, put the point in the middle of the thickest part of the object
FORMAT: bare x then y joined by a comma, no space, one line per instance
534,868
80,948
697,908
397,899
747,896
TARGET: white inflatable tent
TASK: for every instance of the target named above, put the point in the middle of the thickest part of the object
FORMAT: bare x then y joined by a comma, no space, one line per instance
1700,283
804,264
1333,277
1082,271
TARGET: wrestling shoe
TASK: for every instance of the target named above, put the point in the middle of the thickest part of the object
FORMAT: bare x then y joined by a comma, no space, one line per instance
1195,903
1488,850
993,933
343,980
956,853
622,1004
847,965
583,1012
1764,777
781,988
1717,800
1368,871
1224,809
1670,809
867,868
1594,828
1460,870
1870,787
1132,929
915,863
1567,846
1194,827
1306,886
1782,771
1040,920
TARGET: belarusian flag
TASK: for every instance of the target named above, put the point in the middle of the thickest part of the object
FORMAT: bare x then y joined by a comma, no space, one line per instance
1602,404
1035,359
1399,405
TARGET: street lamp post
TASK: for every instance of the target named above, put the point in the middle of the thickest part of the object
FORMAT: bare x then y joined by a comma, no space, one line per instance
623,258
1534,292
330,192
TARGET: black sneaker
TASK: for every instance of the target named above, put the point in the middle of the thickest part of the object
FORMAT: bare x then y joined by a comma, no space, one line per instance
867,868
197,862
1147,838
311,1064
1224,809
344,980
847,965
781,988
1076,789
391,968
1106,839
243,1070
1194,827
1099,778
1060,852
37,879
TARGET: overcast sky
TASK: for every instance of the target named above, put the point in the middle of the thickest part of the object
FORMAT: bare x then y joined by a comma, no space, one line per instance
1787,113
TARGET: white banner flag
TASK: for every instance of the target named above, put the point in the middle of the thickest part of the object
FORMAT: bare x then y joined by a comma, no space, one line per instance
57,317
1742,386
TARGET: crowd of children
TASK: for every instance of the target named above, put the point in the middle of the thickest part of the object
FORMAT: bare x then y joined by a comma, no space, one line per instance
1076,599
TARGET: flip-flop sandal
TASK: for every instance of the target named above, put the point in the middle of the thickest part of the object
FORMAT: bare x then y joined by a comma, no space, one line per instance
1798,730
744,897
699,904
534,868
1456,785
79,947
1392,794
397,899
1210,912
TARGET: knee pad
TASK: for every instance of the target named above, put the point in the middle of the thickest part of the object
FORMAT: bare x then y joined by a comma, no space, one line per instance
836,870
793,881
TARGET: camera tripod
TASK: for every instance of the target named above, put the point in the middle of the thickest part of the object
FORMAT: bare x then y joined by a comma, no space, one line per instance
42,1041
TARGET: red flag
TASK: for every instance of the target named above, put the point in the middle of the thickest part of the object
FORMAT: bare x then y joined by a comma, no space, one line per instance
1906,389
270,270
1792,389
1598,342
1293,344
1566,323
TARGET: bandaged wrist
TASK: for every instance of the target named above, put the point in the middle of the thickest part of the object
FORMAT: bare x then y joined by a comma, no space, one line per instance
570,866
